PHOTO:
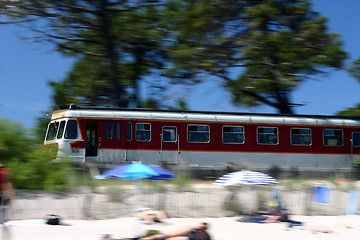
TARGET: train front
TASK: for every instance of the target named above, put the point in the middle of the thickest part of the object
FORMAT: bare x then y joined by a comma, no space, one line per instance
63,138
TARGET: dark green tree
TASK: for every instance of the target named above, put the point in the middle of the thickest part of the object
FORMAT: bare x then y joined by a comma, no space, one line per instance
350,112
39,131
262,50
30,167
354,70
115,44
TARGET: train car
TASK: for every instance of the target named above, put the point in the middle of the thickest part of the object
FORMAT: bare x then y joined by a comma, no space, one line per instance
205,140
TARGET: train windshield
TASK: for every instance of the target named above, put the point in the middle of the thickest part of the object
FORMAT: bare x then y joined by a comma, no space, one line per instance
52,131
56,130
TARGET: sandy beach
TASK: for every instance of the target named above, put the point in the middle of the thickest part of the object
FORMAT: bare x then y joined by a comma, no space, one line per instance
344,227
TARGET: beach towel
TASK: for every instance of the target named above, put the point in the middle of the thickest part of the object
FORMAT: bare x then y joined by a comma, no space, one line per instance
251,219
26,223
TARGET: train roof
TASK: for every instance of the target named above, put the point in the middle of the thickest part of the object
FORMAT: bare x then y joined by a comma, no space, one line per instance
73,111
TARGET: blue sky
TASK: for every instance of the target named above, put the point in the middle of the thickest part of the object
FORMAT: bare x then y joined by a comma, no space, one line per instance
25,69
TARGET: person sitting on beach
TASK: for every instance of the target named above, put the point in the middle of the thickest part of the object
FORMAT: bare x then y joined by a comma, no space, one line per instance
151,216
281,215
183,233
278,215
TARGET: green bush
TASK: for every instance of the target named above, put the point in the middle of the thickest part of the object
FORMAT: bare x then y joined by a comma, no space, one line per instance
182,182
231,202
116,194
30,167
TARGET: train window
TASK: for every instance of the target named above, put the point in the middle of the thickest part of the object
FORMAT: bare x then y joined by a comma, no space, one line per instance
198,133
117,135
267,135
356,139
61,130
143,132
112,130
301,136
71,130
51,134
107,130
169,134
333,137
128,131
233,134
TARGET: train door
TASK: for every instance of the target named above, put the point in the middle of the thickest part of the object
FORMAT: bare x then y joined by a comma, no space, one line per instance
91,140
129,155
170,146
355,148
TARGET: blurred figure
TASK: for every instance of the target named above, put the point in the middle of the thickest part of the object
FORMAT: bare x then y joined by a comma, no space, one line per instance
151,216
315,228
281,215
278,215
7,197
183,233
87,203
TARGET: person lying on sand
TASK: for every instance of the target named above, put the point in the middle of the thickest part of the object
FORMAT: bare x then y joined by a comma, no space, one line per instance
314,228
151,216
183,233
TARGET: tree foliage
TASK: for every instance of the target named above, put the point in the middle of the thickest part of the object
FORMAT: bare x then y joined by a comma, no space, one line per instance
350,112
115,43
262,50
354,70
30,167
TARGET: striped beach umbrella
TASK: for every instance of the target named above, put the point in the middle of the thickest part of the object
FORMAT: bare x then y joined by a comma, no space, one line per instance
245,178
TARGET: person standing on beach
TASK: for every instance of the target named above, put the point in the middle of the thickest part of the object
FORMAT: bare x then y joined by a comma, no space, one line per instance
7,197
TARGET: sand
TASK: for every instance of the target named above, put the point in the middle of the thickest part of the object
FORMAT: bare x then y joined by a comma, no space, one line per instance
344,227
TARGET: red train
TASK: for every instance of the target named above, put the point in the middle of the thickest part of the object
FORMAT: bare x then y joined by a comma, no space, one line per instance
205,140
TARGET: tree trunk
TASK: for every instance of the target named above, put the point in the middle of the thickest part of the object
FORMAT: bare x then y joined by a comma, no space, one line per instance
139,61
284,104
117,97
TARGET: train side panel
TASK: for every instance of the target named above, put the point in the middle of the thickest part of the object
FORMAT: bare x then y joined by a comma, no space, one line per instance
197,141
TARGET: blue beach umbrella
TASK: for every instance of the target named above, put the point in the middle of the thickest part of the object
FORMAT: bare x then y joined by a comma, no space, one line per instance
245,178
136,171
162,174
